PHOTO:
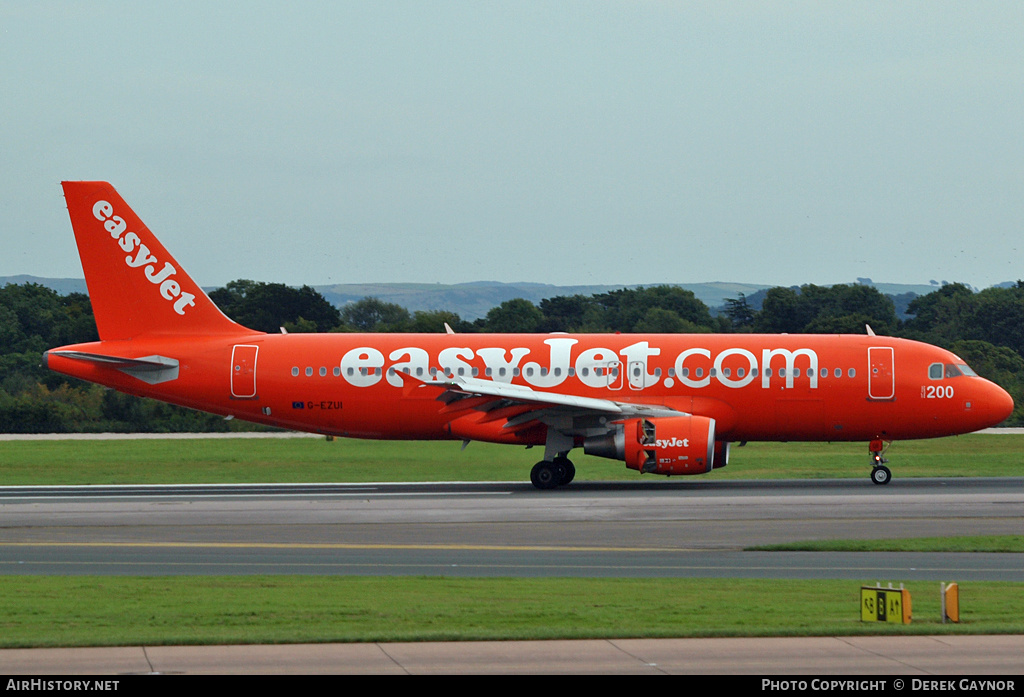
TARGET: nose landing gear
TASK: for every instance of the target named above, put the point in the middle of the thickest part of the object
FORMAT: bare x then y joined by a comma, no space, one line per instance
880,474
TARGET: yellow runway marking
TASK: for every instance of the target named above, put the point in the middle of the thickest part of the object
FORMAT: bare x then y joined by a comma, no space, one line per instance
286,545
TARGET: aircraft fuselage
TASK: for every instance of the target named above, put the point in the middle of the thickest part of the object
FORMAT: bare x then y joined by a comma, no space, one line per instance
756,387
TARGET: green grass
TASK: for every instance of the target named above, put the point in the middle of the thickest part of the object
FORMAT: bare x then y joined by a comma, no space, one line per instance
975,543
344,460
110,611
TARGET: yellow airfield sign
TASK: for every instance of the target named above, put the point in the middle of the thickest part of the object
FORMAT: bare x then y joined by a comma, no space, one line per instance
950,602
879,604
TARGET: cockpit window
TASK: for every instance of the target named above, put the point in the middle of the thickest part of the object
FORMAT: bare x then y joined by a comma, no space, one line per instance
937,371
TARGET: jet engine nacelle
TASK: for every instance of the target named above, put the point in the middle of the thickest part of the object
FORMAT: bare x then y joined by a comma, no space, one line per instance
669,445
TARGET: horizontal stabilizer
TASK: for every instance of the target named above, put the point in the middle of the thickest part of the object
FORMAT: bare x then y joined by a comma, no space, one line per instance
149,369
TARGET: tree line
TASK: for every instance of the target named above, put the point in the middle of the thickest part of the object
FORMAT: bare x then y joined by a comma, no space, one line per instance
985,328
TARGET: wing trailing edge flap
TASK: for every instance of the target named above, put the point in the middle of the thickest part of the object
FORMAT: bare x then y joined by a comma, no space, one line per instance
149,369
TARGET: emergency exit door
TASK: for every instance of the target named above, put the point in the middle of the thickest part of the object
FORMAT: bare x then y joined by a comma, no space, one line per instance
881,373
243,371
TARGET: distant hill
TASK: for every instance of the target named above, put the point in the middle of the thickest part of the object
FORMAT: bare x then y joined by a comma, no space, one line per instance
64,286
469,300
473,300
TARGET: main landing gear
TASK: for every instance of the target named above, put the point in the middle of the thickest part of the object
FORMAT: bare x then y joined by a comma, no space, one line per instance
548,474
555,469
880,474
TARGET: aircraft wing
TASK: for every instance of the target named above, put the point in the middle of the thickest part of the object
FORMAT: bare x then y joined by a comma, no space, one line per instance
458,388
521,407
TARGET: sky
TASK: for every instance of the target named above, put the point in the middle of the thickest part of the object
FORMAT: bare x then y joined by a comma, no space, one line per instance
571,143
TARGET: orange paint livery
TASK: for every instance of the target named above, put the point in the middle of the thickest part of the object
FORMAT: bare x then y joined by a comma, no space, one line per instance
666,404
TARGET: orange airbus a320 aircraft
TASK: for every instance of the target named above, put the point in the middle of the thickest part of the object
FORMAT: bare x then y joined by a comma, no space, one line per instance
664,404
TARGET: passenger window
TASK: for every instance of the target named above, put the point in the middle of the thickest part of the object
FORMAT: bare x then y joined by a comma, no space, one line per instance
295,371
852,372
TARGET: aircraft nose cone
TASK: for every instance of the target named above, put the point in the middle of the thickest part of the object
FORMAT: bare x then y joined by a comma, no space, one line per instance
998,404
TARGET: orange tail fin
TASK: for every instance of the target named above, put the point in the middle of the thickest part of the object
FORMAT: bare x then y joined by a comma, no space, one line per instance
136,287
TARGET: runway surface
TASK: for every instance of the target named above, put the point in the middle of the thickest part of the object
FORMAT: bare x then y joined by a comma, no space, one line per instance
664,529
669,528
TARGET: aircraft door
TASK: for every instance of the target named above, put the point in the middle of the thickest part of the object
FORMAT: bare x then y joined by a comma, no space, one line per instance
637,375
881,373
613,374
243,371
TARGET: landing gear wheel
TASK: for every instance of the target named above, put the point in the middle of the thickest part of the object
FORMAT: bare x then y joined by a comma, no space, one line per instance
881,474
547,475
568,469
